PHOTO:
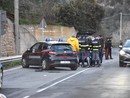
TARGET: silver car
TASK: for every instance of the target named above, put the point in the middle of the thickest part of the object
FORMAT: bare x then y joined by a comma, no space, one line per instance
124,54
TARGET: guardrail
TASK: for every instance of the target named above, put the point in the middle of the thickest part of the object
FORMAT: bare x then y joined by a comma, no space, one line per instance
10,58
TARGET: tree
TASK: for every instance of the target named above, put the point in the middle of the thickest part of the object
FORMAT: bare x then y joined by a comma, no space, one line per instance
84,15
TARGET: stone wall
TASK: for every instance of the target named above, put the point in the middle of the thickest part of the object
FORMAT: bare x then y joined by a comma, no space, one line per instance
7,41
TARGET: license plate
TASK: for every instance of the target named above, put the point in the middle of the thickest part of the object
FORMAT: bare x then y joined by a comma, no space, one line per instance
65,62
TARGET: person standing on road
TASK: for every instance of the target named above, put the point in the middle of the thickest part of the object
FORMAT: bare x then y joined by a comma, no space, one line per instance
74,42
82,53
95,54
106,48
110,48
101,42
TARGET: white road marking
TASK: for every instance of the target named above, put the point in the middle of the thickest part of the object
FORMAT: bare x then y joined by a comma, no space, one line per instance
26,97
64,79
61,80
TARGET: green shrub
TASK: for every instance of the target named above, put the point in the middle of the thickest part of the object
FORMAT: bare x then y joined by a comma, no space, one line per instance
11,64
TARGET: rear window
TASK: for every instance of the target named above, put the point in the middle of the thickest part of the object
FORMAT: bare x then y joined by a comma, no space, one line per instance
61,47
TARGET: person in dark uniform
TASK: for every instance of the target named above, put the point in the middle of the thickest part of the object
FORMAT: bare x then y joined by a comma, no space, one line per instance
110,48
82,52
106,48
88,43
95,52
101,42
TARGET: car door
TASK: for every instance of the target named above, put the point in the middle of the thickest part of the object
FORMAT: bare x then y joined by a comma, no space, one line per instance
34,55
37,53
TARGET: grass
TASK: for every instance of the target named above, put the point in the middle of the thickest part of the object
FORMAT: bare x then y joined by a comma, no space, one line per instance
11,64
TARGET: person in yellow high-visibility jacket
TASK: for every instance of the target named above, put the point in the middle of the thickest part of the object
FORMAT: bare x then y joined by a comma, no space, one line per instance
74,42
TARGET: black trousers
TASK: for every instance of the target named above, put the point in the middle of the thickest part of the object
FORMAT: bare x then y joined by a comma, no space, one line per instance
110,53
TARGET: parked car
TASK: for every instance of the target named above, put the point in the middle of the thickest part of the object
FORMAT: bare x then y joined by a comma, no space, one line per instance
1,75
124,54
50,54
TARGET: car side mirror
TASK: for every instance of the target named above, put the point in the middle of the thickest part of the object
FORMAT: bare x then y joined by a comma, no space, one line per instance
29,49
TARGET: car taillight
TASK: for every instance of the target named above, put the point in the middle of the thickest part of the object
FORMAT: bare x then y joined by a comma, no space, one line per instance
51,52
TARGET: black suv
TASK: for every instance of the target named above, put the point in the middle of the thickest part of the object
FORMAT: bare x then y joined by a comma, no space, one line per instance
50,54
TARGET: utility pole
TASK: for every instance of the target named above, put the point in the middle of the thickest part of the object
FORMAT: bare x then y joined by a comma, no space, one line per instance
16,24
120,26
121,19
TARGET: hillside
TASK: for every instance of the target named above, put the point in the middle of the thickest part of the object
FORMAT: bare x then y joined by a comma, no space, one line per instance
111,22
32,11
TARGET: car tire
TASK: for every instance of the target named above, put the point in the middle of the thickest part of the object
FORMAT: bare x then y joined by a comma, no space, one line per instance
121,64
1,78
24,64
74,67
44,65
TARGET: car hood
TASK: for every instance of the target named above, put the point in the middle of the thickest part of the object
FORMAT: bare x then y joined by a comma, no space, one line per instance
127,50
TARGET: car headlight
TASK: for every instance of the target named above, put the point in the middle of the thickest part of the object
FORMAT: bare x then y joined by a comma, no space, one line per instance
122,52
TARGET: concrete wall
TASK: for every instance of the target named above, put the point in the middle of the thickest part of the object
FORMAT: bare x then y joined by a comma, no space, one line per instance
27,38
30,34
54,32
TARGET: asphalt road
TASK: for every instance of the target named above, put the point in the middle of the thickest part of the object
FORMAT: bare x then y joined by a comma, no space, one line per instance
107,81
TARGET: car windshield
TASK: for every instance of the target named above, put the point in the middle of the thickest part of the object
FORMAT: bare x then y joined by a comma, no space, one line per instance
61,47
127,44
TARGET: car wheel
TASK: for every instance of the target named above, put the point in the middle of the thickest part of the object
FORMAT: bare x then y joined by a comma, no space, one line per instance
121,64
24,64
1,78
74,67
44,65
